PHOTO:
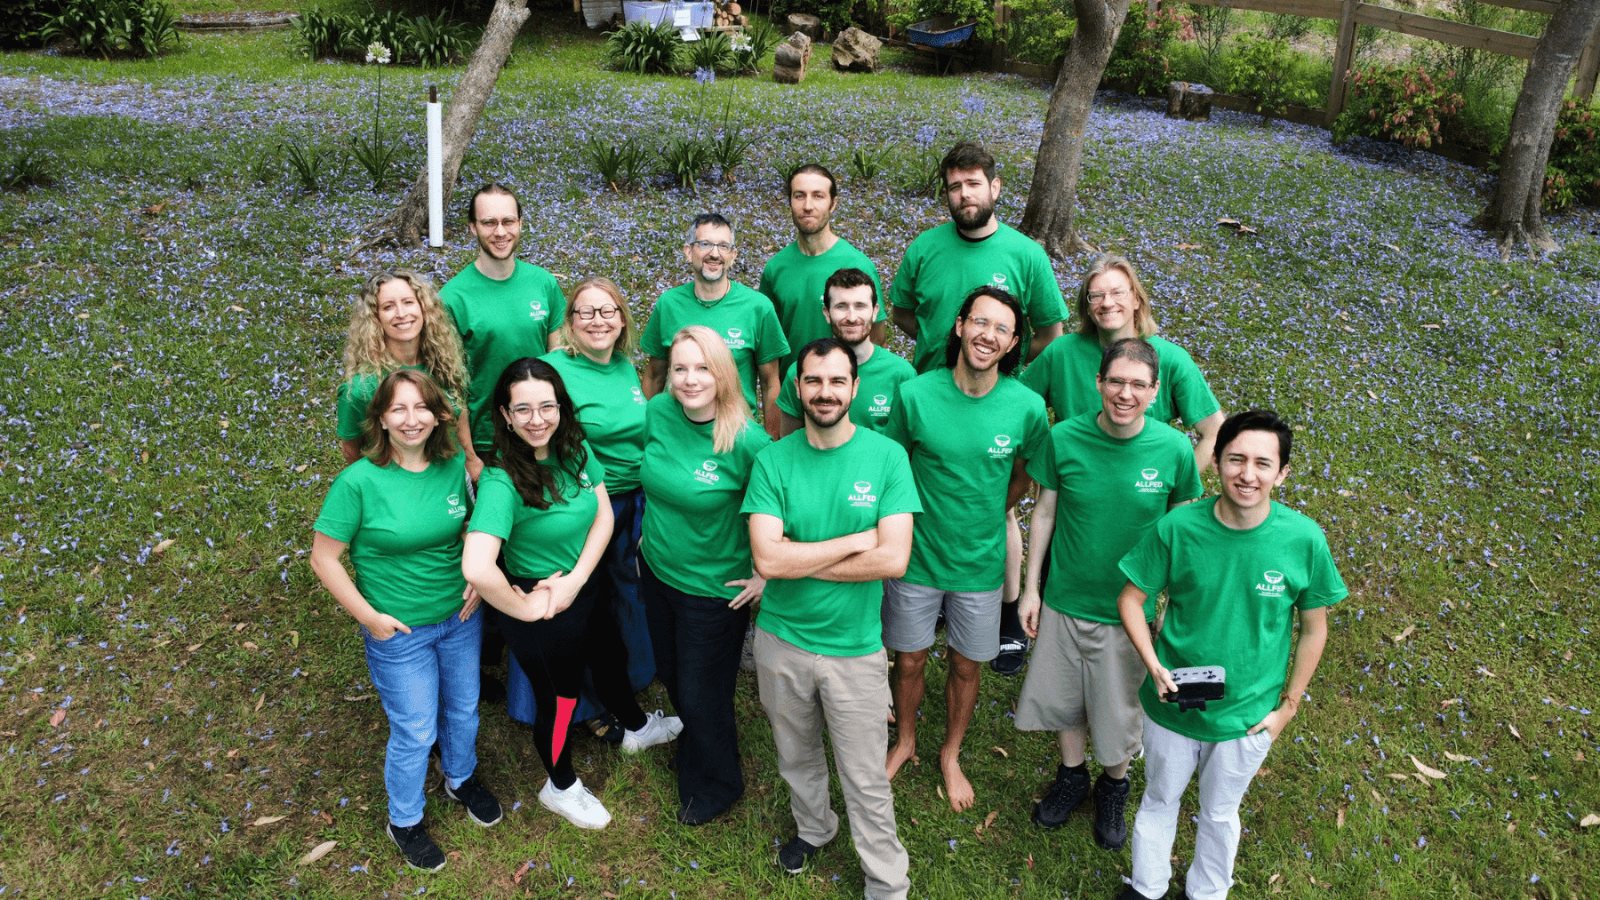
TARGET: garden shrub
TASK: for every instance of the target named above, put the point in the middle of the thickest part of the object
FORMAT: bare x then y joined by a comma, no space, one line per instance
140,28
1037,31
1264,70
1405,105
1573,172
1487,82
836,15
1211,25
644,48
751,47
978,12
22,24
437,41
1140,58
318,32
713,52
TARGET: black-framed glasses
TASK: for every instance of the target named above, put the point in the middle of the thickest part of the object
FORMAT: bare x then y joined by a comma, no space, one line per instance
587,313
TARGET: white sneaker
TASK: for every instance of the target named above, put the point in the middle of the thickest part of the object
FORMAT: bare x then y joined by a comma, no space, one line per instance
575,804
658,729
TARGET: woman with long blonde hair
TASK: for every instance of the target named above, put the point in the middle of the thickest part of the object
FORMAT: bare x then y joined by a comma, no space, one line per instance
695,566
398,322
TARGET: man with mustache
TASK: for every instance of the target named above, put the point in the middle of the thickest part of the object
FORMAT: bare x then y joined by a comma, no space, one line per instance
831,511
743,317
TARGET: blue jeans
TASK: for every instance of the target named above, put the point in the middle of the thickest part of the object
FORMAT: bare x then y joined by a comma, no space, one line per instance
428,683
697,643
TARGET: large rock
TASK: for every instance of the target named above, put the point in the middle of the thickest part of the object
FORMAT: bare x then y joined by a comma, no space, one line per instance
789,60
1187,100
856,51
805,24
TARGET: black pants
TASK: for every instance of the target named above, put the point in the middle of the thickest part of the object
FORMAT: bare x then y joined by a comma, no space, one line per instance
697,642
554,653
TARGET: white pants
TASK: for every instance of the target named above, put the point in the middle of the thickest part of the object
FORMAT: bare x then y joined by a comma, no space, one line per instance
1170,761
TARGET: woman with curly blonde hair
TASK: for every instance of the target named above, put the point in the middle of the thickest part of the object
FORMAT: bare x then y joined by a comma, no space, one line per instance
398,322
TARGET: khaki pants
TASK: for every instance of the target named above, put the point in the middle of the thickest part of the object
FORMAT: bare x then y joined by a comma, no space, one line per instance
803,692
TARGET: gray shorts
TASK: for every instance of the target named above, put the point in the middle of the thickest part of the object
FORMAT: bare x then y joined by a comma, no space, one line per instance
1084,673
971,619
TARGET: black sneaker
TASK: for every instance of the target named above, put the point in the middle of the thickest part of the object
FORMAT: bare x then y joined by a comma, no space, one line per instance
1071,786
793,856
1013,642
482,807
1128,893
419,850
1110,820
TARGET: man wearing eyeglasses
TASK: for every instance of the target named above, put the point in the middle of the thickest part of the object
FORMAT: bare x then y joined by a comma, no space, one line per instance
503,308
744,318
970,434
940,268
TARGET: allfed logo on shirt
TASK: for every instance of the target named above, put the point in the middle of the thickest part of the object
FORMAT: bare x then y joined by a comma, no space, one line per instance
707,473
1271,585
454,507
880,405
1147,483
735,339
1002,445
999,279
638,396
863,495
538,311
585,482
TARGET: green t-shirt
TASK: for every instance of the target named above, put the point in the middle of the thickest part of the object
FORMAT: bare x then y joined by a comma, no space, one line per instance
694,536
356,395
1232,599
610,405
1110,491
941,268
539,542
500,322
962,452
821,495
744,318
1064,376
880,376
404,532
794,283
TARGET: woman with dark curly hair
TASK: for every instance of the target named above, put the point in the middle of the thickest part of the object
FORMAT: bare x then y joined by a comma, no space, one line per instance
398,322
542,500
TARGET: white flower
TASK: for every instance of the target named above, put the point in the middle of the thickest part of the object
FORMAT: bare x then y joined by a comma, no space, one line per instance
740,42
377,53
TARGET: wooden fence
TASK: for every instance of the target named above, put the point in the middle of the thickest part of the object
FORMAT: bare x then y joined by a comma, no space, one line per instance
1352,13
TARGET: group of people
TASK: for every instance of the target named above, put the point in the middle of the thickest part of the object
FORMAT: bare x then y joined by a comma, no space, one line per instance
504,450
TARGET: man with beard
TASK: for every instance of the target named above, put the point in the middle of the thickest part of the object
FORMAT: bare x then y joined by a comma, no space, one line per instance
743,317
941,267
831,511
969,433
850,306
793,278
503,308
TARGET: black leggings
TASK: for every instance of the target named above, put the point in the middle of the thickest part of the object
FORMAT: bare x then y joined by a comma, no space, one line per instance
554,652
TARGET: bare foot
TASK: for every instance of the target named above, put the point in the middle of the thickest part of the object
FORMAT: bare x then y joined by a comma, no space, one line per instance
956,784
900,754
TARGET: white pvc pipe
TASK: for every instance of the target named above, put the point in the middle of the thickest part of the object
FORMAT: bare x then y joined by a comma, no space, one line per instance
435,170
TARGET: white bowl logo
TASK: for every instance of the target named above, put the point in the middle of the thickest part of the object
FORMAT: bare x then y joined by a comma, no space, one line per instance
735,333
453,499
537,306
709,465
1149,474
879,399
999,278
862,487
1002,440
1272,577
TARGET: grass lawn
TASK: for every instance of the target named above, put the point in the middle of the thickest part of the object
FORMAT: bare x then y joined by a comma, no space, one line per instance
184,712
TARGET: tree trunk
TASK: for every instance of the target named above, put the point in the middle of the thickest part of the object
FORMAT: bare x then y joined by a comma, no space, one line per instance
1513,215
406,226
1048,217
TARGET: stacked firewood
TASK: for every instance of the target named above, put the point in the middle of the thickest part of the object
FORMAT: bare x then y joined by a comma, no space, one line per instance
729,13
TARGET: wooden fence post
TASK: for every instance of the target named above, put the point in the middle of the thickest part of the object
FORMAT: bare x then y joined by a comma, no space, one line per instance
1343,55
1001,51
1589,66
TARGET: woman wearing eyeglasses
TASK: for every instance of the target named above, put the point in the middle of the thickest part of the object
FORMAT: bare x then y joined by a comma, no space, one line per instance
1113,305
594,356
398,322
542,502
